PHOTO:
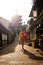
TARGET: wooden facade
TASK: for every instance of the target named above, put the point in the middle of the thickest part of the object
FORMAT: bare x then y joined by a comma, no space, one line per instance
5,36
37,24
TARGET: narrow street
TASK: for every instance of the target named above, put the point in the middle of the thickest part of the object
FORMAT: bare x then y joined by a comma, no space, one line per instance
13,55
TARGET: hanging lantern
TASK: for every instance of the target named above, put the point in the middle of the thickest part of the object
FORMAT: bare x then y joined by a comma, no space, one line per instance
34,13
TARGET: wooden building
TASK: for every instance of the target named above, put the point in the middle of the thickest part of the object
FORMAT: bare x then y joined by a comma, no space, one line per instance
36,28
6,36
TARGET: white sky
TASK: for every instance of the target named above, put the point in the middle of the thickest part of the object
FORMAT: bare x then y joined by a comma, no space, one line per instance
8,8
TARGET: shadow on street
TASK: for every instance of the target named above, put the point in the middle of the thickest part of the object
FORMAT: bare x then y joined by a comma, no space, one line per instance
9,49
32,56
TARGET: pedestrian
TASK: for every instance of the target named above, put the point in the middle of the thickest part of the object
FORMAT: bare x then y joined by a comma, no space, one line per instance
21,39
25,35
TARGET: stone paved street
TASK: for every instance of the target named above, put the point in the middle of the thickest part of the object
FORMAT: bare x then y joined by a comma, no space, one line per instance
14,55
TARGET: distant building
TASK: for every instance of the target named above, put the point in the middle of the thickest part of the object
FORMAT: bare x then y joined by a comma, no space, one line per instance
16,23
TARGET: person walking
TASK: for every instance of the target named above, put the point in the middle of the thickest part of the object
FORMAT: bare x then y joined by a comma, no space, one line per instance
21,39
25,35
